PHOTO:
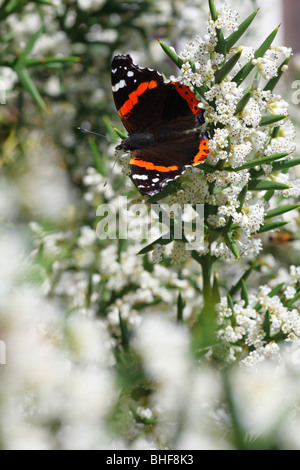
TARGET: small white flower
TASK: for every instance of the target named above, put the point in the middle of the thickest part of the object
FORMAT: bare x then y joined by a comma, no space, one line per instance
251,114
158,252
8,79
266,67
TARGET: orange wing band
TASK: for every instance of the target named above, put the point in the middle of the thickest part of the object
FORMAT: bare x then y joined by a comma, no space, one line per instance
134,97
187,94
151,166
202,152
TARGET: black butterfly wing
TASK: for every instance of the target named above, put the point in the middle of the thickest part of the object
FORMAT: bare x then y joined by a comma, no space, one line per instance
132,88
153,167
145,103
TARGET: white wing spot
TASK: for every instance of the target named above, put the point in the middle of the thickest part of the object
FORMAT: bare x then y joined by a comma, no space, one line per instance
119,85
140,177
130,73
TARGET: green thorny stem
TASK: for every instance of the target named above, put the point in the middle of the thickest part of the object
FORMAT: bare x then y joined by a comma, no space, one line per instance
207,281
205,326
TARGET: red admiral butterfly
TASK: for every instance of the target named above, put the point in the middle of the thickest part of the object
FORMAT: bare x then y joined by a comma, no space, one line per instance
162,120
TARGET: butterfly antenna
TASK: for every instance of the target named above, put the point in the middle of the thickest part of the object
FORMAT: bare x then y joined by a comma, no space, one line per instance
111,171
86,131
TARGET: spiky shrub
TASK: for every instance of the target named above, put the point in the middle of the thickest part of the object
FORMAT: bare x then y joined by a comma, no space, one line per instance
244,181
60,380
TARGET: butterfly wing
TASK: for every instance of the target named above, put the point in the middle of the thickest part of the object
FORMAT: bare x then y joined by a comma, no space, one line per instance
152,168
146,103
132,86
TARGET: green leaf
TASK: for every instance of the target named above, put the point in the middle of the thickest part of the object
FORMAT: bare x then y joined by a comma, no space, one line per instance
239,435
163,240
29,46
290,302
275,132
269,194
170,188
244,292
124,333
220,47
52,60
213,11
230,303
3,7
29,85
206,168
271,226
235,36
266,44
244,72
277,166
231,306
284,165
242,196
201,91
215,289
171,54
227,67
281,210
45,2
121,134
273,81
180,308
260,185
243,102
267,325
271,119
21,70
231,244
237,286
272,293
100,164
259,161
276,289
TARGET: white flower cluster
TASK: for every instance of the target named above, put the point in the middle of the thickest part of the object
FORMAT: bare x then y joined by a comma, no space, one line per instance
90,5
227,19
8,79
58,368
236,137
56,44
260,394
261,324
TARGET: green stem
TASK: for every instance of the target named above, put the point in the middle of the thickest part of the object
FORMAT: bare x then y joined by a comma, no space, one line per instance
204,330
206,273
238,431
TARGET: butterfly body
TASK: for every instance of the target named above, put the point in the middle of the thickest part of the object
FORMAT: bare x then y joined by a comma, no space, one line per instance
163,122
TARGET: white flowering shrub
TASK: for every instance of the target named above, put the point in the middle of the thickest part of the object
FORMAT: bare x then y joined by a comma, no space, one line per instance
121,344
252,140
